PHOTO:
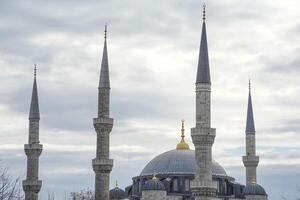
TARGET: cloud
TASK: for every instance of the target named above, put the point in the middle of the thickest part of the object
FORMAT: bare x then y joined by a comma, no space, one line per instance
153,52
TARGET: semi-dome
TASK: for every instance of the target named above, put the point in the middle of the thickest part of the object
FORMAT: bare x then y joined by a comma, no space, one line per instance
254,189
177,161
154,184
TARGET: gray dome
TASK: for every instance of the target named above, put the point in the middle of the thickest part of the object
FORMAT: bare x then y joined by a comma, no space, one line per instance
117,193
177,162
254,190
154,184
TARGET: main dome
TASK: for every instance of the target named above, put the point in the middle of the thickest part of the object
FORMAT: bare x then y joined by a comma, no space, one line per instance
177,161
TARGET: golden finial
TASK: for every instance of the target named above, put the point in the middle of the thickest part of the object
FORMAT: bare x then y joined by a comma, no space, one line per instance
204,12
105,31
117,183
154,177
182,144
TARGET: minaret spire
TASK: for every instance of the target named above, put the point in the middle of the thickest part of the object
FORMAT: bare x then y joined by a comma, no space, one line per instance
203,72
104,74
34,105
250,160
33,149
250,128
102,164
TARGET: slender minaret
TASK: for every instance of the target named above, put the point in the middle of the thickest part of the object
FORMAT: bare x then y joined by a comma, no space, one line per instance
250,160
33,149
203,135
103,124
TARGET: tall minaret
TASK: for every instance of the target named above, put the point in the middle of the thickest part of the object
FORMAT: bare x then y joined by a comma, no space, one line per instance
203,135
250,160
33,149
103,124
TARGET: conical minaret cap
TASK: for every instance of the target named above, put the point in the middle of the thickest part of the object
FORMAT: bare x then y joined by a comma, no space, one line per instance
203,72
34,112
250,128
104,73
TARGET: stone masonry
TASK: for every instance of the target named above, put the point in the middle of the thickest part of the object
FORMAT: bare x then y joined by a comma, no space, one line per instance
203,135
102,164
33,149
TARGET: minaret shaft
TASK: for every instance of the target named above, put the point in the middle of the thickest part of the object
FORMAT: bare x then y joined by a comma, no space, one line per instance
102,164
203,138
33,150
203,105
103,102
203,135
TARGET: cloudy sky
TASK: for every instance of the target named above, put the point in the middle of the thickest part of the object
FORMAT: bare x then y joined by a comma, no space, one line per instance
153,50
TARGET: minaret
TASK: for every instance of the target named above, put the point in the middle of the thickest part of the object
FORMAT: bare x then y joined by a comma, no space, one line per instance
33,149
250,160
203,135
103,124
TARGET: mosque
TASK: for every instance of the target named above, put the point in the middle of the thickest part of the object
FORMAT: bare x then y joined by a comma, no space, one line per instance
177,174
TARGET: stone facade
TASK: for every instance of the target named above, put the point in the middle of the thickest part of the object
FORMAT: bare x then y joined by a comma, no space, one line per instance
256,197
171,197
154,195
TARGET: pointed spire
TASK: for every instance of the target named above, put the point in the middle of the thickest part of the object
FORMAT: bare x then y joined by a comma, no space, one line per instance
34,106
104,73
203,72
250,129
117,185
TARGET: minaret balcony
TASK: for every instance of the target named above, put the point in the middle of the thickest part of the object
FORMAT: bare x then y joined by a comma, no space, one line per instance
102,165
103,120
250,161
203,136
32,185
203,87
33,149
199,188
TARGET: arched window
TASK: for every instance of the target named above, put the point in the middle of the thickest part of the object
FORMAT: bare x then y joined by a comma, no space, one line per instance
175,185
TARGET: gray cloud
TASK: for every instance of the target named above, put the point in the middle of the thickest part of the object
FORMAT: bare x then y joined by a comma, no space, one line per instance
153,48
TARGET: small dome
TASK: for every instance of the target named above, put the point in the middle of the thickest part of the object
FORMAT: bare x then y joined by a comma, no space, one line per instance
117,193
254,189
154,184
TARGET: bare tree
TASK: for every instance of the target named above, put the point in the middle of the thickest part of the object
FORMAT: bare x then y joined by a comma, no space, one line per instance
10,188
86,194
